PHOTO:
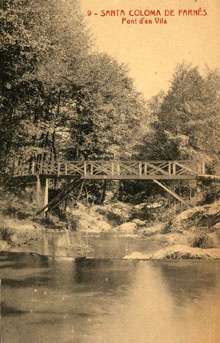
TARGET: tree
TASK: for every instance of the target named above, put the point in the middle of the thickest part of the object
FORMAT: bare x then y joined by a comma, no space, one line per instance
36,39
57,97
107,111
187,119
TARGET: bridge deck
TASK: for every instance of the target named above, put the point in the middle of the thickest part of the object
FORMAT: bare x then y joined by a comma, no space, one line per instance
111,170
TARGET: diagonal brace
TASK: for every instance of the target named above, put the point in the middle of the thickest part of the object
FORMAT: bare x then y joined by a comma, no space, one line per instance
172,193
61,196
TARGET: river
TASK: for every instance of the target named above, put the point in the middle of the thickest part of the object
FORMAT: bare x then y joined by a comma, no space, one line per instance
107,299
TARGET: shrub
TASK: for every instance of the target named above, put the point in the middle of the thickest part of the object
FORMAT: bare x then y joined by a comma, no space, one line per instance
6,233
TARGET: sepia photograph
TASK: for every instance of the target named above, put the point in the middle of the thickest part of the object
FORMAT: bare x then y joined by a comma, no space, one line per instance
109,171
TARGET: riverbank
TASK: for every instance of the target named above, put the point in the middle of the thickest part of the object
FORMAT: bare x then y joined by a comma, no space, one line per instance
29,236
191,233
18,233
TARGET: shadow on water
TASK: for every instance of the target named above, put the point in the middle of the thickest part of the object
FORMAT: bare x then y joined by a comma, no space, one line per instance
55,321
188,280
107,274
20,260
10,311
27,282
5,266
109,300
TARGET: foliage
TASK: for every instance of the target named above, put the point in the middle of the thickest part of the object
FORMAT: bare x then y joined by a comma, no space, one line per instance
210,191
16,202
58,99
186,119
6,233
107,111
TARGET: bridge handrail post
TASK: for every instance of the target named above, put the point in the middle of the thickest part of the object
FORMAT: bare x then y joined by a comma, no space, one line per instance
113,169
174,168
33,168
170,168
118,168
58,169
85,168
145,168
140,168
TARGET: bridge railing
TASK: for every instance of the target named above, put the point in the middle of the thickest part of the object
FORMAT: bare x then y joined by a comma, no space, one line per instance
110,169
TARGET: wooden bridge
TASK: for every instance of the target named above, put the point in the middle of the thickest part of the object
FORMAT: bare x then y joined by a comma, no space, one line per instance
78,171
111,170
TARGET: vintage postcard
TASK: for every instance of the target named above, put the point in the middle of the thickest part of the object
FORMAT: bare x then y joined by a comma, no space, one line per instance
110,171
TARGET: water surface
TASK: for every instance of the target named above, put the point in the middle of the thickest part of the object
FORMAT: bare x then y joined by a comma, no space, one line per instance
107,299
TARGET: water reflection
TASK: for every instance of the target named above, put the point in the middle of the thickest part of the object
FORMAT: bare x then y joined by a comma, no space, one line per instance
56,244
102,245
186,281
150,313
112,301
104,274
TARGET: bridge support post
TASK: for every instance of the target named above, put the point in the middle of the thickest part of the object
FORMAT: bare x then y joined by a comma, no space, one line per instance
41,192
